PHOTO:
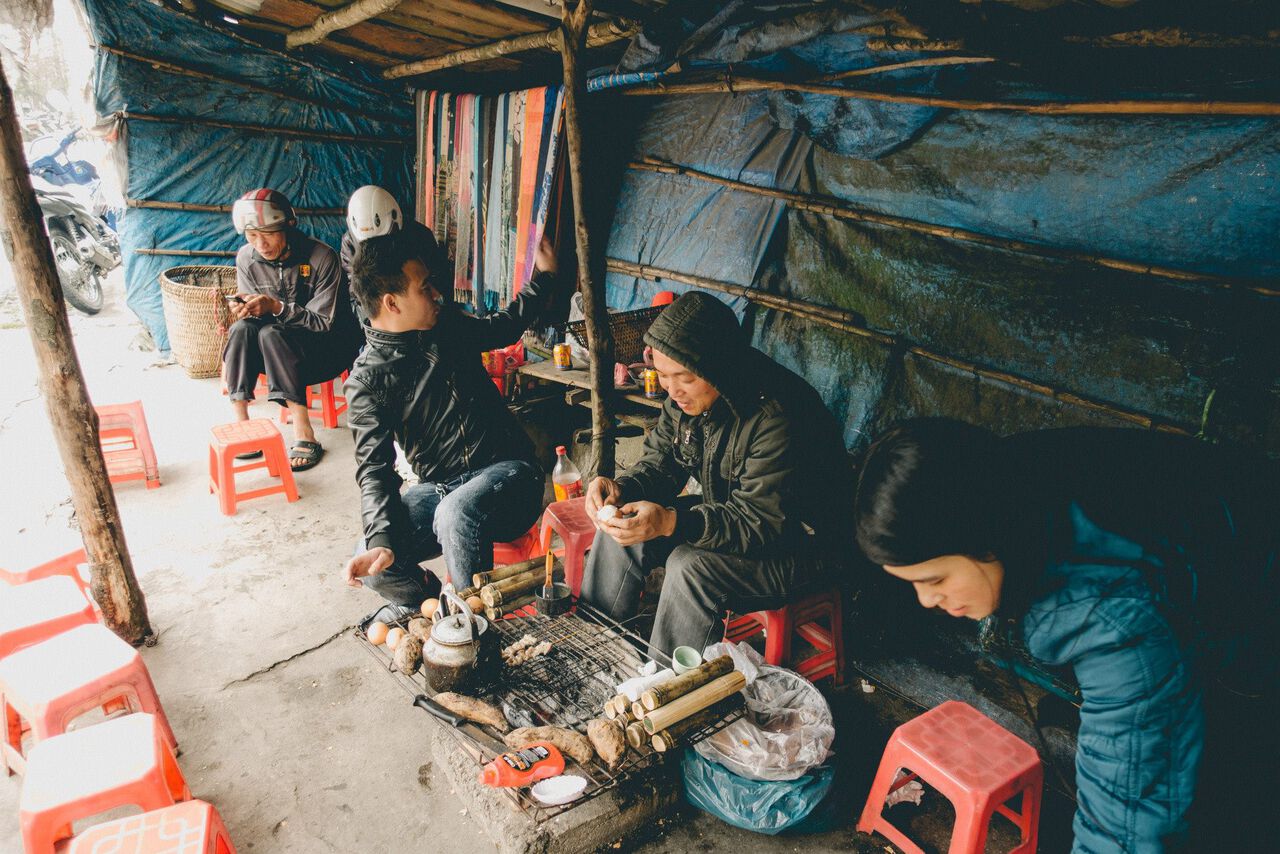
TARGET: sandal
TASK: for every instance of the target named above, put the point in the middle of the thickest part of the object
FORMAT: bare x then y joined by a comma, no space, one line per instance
310,452
250,455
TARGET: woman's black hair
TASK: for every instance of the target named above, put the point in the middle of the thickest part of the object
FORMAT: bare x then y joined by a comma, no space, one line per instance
928,487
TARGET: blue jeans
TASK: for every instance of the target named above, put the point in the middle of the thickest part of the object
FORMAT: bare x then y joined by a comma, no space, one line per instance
461,519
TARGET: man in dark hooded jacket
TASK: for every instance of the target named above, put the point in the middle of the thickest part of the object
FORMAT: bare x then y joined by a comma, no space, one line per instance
774,476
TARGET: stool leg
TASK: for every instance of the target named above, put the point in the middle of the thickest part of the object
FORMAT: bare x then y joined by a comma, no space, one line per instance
328,407
227,494
837,644
285,472
777,637
1029,819
12,735
969,836
213,470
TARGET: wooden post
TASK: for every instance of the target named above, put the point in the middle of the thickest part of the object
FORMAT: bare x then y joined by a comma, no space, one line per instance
71,415
599,335
338,19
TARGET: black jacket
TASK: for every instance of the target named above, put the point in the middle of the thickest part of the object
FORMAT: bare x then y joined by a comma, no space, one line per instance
430,392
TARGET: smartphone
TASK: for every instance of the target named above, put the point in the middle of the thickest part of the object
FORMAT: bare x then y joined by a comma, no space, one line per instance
235,298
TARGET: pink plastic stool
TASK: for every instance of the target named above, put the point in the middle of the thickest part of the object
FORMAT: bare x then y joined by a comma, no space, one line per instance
973,761
38,610
121,762
569,520
523,547
46,686
332,404
237,437
191,827
126,443
799,618
68,565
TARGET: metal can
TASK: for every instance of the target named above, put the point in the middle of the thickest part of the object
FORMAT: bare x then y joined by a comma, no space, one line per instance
486,358
652,388
563,357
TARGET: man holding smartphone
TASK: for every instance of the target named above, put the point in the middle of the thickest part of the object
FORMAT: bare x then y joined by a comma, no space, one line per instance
292,316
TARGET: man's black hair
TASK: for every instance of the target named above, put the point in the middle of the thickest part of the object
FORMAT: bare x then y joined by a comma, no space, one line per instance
929,487
378,269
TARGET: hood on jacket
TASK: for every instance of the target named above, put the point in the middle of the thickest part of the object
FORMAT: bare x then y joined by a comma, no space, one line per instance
702,334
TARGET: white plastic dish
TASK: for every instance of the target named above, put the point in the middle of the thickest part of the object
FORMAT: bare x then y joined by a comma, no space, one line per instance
559,790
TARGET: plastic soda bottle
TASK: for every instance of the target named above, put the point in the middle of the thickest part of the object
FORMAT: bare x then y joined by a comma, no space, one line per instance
525,766
565,477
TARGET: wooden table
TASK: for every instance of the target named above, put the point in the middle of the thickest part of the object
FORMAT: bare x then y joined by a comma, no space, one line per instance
578,378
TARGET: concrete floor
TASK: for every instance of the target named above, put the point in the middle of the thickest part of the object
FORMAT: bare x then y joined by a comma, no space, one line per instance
286,724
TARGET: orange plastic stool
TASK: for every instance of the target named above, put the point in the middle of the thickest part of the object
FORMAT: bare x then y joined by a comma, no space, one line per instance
569,520
126,443
120,762
68,565
38,610
238,437
259,390
800,617
976,763
332,404
191,827
48,685
523,547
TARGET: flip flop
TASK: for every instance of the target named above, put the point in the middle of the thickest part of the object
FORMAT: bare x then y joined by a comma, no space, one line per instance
311,452
251,455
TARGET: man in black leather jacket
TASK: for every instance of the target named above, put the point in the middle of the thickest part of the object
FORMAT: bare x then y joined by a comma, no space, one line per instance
421,382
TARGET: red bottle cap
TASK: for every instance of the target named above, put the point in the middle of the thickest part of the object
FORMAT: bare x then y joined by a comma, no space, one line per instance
560,450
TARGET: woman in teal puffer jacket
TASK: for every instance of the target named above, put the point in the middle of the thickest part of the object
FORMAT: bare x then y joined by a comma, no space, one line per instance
1145,563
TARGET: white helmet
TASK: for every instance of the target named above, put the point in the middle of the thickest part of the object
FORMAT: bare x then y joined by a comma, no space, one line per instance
372,212
263,209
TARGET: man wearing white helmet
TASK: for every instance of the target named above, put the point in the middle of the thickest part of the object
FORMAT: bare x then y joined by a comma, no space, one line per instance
292,316
373,212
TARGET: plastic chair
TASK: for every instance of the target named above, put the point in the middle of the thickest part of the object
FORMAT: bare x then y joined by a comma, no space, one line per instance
69,565
126,443
569,520
46,686
332,404
38,610
662,298
974,762
799,618
191,827
121,762
521,548
238,437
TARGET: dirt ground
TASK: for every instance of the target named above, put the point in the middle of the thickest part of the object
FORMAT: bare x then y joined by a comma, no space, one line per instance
286,724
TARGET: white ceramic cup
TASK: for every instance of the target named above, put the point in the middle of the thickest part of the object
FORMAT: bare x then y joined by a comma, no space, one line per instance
684,659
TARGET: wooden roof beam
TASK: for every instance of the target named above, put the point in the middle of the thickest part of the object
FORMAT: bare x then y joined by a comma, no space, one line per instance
597,35
338,19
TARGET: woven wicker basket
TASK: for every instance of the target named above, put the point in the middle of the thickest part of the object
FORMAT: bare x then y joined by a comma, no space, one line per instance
628,329
195,310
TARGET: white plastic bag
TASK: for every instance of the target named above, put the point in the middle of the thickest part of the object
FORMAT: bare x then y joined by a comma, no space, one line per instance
787,730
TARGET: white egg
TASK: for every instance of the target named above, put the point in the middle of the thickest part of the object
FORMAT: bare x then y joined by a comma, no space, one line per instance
607,512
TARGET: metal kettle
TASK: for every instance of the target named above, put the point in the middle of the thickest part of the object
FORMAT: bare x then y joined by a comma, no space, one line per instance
450,653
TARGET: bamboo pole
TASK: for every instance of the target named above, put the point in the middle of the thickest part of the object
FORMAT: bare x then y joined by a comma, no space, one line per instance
597,35
265,130
736,85
155,204
665,692
480,579
188,253
184,71
338,19
507,607
599,333
695,701
71,414
929,62
823,315
838,209
670,738
517,586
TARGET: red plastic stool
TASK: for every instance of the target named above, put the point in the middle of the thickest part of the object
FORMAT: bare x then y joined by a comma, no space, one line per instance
524,547
38,610
191,827
800,617
976,763
569,520
46,686
126,443
69,565
238,437
259,390
120,762
332,404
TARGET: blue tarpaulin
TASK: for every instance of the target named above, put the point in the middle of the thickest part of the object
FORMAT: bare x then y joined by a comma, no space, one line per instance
185,161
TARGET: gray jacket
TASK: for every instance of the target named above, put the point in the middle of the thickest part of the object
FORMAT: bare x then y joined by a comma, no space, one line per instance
309,282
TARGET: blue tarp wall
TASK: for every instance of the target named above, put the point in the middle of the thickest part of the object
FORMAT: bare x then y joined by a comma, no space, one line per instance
1196,193
185,161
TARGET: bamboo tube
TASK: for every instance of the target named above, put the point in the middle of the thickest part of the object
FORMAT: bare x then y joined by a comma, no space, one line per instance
498,613
190,206
804,309
841,210
637,710
636,735
665,692
672,736
734,84
480,579
264,129
514,587
695,701
187,253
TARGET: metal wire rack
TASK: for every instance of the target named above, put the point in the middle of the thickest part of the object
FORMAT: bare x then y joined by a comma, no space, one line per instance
567,687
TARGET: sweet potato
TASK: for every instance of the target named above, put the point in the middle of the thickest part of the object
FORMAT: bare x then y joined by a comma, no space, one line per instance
473,710
420,627
608,740
408,655
572,744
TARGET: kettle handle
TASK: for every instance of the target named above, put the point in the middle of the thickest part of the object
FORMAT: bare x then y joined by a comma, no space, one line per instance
449,596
